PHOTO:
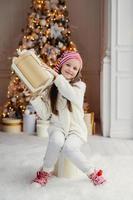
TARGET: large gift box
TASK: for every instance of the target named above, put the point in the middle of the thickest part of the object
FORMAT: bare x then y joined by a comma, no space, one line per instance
30,70
11,125
42,128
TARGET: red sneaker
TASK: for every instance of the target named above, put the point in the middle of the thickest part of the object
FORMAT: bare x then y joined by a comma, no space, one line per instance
42,178
97,177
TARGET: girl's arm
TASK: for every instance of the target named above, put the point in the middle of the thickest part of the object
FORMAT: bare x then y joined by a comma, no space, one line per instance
41,107
73,93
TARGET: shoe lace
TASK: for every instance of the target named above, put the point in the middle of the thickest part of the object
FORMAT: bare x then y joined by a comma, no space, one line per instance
96,174
41,175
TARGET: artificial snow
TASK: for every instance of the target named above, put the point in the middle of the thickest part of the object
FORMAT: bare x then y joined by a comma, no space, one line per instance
22,155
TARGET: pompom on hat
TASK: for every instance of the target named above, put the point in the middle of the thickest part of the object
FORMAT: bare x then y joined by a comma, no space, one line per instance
67,55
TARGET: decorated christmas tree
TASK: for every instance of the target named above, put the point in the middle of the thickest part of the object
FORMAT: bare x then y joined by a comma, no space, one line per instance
48,33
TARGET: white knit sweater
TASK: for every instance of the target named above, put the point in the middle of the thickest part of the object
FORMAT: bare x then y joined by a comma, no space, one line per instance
66,121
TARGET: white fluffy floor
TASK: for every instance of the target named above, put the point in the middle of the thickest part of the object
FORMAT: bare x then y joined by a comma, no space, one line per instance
21,156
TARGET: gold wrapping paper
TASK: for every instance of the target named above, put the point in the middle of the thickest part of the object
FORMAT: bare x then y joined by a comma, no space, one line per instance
87,119
32,71
11,121
90,122
10,125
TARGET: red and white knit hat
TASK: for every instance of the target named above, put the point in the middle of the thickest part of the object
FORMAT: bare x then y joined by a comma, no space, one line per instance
67,55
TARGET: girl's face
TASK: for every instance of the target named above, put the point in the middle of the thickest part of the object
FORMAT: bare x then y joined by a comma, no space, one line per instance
70,69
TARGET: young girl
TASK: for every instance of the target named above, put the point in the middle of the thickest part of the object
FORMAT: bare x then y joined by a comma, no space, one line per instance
62,104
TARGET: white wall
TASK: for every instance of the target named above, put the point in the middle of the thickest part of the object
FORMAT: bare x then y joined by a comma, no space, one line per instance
117,73
122,69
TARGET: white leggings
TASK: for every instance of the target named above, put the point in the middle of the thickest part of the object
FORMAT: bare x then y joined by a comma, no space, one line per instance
70,147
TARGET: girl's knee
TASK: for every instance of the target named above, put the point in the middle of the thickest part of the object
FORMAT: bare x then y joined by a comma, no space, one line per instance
57,139
71,146
68,148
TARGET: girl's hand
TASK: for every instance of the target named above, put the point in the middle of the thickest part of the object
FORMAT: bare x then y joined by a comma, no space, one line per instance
28,94
50,70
